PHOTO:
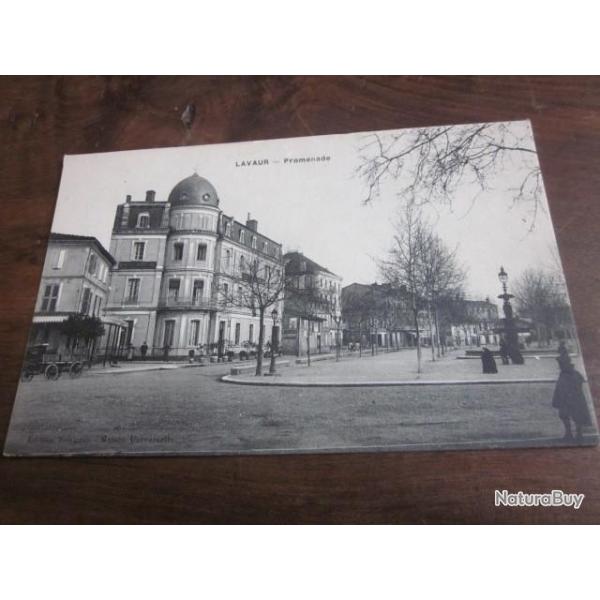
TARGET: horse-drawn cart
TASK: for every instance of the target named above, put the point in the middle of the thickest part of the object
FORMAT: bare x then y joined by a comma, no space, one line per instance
36,363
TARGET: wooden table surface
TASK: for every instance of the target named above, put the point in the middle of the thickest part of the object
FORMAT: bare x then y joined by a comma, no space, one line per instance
43,118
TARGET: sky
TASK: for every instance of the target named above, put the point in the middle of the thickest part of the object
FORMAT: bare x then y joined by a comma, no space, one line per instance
314,207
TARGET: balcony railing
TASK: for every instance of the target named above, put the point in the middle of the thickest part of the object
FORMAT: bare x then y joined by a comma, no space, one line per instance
187,302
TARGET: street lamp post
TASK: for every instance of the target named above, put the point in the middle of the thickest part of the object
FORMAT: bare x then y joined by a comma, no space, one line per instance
510,328
274,341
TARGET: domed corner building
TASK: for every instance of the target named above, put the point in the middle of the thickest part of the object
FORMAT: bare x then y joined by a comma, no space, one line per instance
178,279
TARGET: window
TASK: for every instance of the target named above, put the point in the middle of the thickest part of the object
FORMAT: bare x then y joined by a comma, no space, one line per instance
265,247
225,291
50,298
242,262
228,229
178,251
194,332
201,253
60,259
241,236
227,258
174,285
138,250
254,242
237,333
143,221
169,333
133,286
251,333
95,305
198,291
240,294
293,323
86,300
92,264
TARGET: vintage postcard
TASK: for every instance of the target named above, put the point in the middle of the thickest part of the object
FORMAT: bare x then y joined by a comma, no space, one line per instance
375,291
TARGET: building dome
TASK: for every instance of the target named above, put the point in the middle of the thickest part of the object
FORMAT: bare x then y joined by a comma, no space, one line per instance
194,191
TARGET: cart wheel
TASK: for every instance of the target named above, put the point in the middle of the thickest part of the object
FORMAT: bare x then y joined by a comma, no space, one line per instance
76,369
26,375
52,372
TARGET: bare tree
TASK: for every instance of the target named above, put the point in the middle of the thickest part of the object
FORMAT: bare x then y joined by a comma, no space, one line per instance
540,295
431,164
256,287
441,276
403,268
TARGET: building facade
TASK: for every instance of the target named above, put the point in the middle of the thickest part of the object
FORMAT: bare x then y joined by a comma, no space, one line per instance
312,307
75,281
176,261
378,315
478,326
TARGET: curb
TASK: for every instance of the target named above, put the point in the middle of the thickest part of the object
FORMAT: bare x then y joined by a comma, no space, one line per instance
413,382
126,371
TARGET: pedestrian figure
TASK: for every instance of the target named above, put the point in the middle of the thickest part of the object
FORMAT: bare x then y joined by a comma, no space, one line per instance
504,352
570,400
487,361
563,353
144,350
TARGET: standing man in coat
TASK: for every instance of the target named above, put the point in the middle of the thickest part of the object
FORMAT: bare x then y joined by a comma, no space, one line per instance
569,399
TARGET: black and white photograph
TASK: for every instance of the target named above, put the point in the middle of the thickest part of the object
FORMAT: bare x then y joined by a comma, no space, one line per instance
388,290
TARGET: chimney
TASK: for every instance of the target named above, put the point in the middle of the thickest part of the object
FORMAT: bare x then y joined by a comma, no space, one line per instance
150,195
128,198
251,223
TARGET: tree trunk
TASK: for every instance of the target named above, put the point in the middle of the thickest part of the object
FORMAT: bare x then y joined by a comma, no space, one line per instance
431,335
261,341
308,346
418,340
440,348
360,340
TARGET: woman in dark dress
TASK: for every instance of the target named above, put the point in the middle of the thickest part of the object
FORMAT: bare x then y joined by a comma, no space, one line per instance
569,399
488,362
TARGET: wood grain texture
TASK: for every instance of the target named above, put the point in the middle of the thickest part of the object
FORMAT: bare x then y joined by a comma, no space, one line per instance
43,118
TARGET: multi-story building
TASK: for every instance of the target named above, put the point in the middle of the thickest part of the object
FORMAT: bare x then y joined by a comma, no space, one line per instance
176,260
312,307
477,325
377,315
75,281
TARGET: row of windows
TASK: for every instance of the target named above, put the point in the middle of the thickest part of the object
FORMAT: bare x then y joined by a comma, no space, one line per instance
178,248
264,247
139,251
91,303
193,221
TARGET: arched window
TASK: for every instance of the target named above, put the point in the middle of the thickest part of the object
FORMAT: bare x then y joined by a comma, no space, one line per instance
241,236
143,221
228,229
254,242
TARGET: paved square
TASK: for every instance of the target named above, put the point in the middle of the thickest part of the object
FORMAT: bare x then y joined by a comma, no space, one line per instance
189,410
